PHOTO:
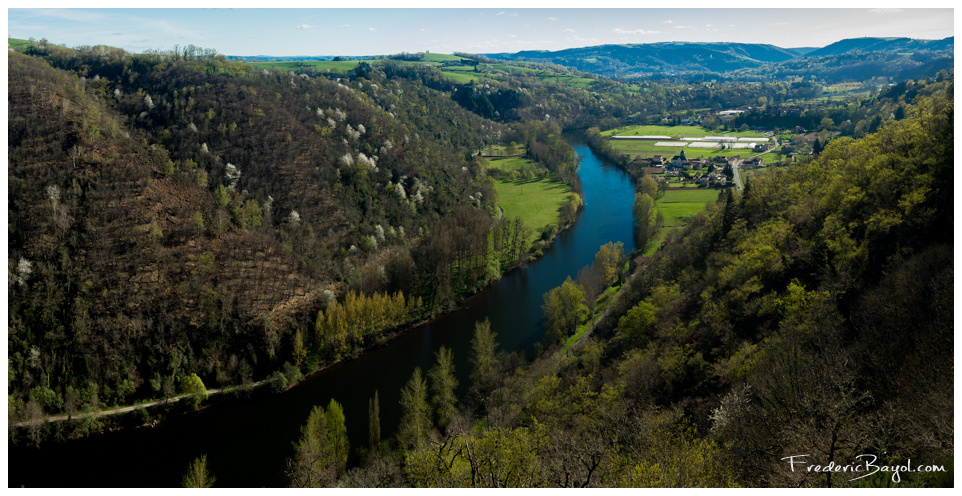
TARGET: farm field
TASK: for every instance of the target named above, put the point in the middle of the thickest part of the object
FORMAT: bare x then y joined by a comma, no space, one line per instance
648,150
693,149
652,130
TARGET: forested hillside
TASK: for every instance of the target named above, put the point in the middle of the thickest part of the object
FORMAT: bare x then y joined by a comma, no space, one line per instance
809,315
176,213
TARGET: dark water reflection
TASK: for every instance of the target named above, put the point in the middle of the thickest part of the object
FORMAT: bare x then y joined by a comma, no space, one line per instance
247,442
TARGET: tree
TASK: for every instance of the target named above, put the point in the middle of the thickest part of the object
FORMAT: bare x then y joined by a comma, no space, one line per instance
609,261
415,412
443,385
315,463
336,431
638,324
646,219
198,475
648,185
484,345
300,353
194,386
563,307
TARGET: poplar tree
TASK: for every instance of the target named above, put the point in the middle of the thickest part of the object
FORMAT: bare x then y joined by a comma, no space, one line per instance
336,432
415,411
483,347
198,475
443,385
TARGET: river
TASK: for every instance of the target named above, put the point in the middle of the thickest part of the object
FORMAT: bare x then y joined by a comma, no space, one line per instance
247,442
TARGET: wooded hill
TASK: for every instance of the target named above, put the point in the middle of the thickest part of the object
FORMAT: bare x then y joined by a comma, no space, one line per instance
809,315
178,213
846,60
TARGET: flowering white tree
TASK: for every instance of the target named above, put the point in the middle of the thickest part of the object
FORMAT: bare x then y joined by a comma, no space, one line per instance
24,269
233,174
347,159
379,232
294,217
149,102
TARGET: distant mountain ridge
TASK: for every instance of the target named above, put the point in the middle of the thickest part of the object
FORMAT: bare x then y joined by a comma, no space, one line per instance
690,57
883,45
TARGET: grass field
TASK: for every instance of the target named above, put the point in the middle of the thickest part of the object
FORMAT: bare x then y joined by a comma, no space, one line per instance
536,202
14,42
676,207
509,163
460,77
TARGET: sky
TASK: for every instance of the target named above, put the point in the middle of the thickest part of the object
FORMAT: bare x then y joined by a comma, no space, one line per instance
380,31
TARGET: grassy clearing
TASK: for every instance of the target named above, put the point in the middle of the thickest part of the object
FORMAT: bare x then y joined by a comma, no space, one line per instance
509,163
676,207
459,77
521,149
537,202
17,43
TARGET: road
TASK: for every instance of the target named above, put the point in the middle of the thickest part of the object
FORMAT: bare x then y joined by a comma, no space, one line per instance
736,163
125,409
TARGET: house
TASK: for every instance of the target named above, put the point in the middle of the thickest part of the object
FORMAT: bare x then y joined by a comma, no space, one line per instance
658,160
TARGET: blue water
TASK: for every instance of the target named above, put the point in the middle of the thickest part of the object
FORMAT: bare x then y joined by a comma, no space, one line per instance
247,443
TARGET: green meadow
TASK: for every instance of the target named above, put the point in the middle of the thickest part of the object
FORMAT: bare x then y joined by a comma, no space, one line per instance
676,207
537,201
508,163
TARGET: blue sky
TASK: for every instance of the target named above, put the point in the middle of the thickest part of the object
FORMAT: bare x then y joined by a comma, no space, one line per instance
375,31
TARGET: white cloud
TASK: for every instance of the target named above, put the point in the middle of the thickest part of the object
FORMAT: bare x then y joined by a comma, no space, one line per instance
885,11
669,21
680,26
513,14
551,18
500,13
569,30
372,29
344,26
635,31
306,26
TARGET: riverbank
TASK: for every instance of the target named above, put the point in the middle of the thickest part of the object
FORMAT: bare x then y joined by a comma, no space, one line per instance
248,440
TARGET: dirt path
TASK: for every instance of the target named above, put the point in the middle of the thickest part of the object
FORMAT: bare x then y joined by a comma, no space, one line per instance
125,409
